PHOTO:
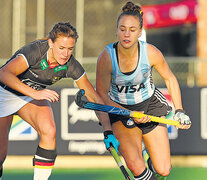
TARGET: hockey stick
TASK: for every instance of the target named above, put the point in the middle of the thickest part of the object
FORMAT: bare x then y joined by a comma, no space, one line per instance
119,162
118,111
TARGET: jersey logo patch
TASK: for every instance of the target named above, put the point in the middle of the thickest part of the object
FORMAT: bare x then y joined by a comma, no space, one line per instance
60,68
130,122
130,89
55,79
44,65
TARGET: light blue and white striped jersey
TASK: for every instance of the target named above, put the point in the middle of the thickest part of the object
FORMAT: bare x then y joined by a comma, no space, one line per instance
136,87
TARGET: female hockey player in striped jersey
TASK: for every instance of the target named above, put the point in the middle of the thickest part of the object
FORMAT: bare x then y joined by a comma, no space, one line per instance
124,79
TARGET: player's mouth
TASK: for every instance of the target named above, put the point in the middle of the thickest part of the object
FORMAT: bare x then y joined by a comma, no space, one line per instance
64,59
126,41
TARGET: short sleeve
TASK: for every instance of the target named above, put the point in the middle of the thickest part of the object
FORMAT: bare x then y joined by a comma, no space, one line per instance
30,52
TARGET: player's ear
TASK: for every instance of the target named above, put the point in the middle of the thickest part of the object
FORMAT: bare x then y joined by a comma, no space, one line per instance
50,43
140,33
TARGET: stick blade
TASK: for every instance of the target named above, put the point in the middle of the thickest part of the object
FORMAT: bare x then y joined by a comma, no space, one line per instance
78,98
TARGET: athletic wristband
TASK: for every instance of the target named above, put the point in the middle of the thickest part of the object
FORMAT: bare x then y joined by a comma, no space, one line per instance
106,133
179,110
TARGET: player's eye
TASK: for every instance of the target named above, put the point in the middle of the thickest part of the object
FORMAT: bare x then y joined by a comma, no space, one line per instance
133,30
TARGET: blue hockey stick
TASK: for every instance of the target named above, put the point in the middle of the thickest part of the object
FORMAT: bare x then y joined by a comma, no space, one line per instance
118,111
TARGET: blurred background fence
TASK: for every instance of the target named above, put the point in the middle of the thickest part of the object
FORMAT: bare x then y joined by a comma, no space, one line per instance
23,21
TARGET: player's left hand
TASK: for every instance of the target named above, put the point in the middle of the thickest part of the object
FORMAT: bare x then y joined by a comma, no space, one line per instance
184,119
110,139
144,119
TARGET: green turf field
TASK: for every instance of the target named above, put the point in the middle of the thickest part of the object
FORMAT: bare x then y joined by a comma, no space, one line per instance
177,173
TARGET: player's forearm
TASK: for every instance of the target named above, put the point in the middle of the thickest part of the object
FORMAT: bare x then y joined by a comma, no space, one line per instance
13,82
174,90
104,120
103,117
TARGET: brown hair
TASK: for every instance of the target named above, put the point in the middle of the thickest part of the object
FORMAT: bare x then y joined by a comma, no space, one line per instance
63,29
132,9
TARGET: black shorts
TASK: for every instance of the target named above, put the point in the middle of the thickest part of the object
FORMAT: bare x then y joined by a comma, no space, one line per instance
156,105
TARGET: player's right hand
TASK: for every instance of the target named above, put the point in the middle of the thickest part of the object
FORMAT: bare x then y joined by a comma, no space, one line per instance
110,139
184,119
46,94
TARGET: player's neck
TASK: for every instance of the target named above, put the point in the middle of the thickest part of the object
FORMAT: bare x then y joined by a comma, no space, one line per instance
51,59
128,52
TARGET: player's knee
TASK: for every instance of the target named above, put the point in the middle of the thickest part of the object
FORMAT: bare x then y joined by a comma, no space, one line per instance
134,166
131,165
51,133
164,170
48,133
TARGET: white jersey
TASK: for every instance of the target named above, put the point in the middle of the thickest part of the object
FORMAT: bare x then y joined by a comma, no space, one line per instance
136,87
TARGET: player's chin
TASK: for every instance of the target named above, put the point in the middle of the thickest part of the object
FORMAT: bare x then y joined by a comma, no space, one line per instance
126,45
62,62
